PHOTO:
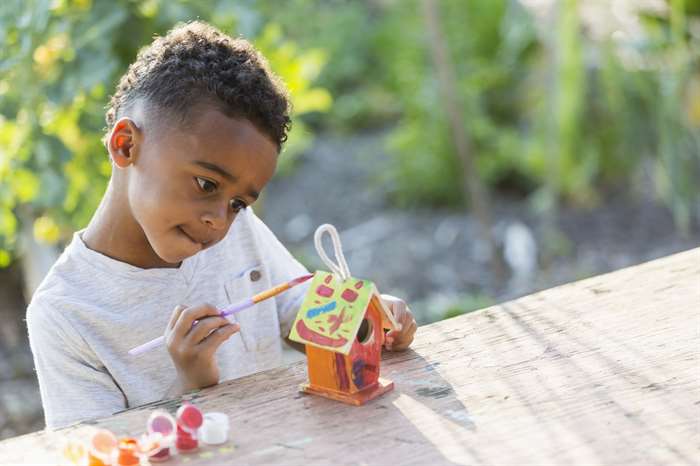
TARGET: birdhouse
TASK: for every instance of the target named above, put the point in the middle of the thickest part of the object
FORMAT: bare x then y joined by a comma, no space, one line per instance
342,323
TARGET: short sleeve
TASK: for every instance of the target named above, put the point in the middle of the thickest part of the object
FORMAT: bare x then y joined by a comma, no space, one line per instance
73,385
283,267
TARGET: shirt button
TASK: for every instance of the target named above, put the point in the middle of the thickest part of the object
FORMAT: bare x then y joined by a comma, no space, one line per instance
255,275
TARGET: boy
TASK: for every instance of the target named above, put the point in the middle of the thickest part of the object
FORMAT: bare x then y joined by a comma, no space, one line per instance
194,131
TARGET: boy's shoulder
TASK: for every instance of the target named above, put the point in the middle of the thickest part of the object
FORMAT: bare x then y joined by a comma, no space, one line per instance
62,284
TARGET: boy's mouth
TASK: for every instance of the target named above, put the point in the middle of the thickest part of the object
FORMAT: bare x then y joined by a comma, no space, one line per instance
203,244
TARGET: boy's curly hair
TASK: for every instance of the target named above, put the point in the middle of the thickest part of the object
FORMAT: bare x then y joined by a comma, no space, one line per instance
195,63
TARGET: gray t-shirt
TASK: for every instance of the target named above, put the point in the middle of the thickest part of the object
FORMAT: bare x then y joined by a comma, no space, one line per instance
91,309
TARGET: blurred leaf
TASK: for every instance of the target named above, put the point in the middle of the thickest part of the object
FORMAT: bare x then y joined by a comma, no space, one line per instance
8,222
5,258
46,230
25,185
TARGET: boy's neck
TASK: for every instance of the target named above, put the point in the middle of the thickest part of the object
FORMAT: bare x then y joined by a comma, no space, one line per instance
114,232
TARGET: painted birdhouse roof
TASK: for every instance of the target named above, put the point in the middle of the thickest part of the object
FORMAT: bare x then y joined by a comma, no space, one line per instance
332,311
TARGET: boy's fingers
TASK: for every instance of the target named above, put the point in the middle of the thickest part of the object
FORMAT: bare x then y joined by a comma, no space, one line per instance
217,337
388,341
175,315
398,340
189,315
400,310
407,317
404,339
204,327
397,307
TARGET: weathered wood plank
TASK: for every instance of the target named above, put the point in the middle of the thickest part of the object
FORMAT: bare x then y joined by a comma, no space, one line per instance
602,371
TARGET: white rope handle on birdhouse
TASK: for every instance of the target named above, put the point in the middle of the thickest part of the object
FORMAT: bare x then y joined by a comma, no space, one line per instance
341,268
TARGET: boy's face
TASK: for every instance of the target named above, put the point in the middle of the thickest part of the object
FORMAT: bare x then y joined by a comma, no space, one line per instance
186,184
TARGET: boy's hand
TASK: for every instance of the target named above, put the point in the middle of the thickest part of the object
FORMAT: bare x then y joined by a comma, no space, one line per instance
399,340
192,348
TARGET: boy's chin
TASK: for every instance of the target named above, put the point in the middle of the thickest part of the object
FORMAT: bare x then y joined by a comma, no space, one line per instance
175,253
177,257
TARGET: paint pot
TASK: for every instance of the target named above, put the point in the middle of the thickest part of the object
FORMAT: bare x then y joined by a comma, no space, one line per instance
189,417
102,448
189,420
128,452
214,430
162,424
185,442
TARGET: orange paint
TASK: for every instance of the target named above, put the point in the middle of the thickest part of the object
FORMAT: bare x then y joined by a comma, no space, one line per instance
128,452
101,448
321,367
262,296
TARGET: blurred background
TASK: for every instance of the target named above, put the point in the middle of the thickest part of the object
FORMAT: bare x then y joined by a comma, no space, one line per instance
469,151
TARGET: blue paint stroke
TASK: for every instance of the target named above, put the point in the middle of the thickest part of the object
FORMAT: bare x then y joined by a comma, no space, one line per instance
357,377
316,311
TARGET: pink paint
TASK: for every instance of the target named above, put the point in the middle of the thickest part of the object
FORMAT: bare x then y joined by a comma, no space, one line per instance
162,424
162,455
349,295
189,419
309,335
324,291
299,280
185,442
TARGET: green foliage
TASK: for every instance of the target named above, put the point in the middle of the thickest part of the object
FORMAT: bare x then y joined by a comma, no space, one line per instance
552,110
490,94
61,59
356,71
540,113
299,70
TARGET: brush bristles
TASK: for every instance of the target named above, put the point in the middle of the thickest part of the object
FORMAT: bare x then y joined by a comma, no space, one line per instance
301,279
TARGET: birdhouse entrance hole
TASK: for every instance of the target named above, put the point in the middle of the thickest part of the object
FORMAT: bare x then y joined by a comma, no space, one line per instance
364,334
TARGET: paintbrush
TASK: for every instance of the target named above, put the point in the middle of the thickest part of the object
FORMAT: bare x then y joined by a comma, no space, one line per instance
245,304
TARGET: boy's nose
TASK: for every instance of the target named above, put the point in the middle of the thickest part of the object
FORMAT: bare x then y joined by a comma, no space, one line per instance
215,220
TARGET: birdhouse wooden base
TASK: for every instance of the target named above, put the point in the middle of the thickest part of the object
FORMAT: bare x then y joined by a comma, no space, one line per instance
358,398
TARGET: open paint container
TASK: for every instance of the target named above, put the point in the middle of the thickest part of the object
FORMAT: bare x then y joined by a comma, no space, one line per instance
161,428
102,447
214,430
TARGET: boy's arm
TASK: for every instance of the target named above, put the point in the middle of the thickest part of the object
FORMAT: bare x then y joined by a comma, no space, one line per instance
73,385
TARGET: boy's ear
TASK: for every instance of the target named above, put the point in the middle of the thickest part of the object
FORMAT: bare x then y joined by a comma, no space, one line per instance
123,141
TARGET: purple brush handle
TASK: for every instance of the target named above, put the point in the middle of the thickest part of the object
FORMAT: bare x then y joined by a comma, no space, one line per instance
156,342
233,308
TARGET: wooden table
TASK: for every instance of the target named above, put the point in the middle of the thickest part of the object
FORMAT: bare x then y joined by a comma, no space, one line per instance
602,371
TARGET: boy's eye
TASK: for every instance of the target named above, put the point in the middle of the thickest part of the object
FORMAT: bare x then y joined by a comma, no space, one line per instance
237,205
206,185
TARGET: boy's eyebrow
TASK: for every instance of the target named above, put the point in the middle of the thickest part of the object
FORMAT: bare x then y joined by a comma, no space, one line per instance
215,168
